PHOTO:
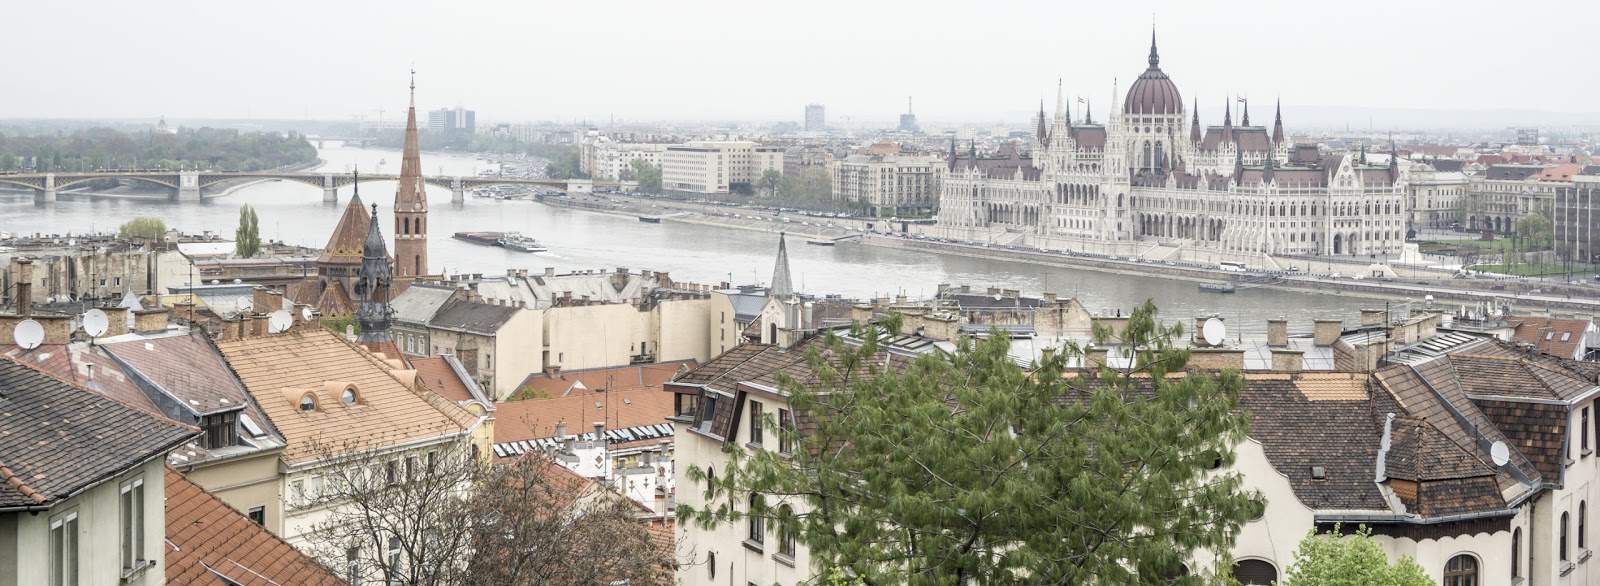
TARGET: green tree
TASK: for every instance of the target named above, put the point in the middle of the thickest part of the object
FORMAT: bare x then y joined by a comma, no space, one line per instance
146,228
247,238
648,176
969,469
1354,560
769,181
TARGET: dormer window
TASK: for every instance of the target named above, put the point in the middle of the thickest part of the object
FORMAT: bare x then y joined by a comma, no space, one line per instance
308,402
221,429
348,397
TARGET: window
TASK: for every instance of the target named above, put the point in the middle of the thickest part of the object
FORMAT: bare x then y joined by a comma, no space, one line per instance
221,429
308,403
391,472
1461,570
64,549
411,469
132,523
711,564
1564,522
394,561
1254,572
433,460
708,411
755,423
785,432
1516,553
1583,517
786,536
352,566
758,529
258,515
1584,431
348,396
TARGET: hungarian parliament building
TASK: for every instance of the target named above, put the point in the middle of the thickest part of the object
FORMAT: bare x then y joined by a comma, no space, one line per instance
1152,175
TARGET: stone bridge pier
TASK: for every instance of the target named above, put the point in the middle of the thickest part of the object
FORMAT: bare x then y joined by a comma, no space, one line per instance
188,186
458,192
330,190
48,194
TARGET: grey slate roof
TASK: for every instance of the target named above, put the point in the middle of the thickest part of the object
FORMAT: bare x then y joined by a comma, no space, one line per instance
418,303
60,440
477,318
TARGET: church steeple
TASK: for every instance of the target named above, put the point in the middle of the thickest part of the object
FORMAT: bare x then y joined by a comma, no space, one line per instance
1227,121
781,285
1062,114
411,202
372,286
1194,127
1042,134
1277,124
1155,58
1244,120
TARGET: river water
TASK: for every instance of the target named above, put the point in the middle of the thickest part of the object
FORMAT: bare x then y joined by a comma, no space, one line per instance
295,213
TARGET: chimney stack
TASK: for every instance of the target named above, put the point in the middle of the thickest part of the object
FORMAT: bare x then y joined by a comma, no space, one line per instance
1326,331
1278,332
1373,317
22,275
149,321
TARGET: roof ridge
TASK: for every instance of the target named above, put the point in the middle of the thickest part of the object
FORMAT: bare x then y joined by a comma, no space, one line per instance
79,387
456,413
274,536
22,487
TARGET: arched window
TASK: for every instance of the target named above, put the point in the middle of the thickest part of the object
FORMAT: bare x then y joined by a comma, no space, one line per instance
1254,572
1516,553
1461,570
1565,521
786,536
711,564
1147,164
757,530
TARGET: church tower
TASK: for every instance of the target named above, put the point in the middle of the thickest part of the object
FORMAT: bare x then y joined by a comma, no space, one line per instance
372,287
411,203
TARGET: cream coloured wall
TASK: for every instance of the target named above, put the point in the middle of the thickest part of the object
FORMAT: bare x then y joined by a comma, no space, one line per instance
594,336
245,483
696,328
99,534
518,351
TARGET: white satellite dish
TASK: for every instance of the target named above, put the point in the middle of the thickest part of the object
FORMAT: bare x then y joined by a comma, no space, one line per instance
305,313
28,334
1214,332
279,321
244,304
1499,453
95,323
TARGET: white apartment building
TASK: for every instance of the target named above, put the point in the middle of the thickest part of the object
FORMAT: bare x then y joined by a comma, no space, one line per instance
604,158
892,185
717,166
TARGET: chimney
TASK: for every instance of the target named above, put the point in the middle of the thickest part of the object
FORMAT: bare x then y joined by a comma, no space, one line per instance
148,321
258,324
1049,298
1287,360
1325,332
600,432
22,275
1278,332
1197,337
1094,357
1373,317
117,320
561,430
1046,354
549,272
264,300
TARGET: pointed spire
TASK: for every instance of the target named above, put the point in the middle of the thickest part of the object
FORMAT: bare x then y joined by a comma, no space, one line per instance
1088,114
1227,121
1155,59
1238,165
781,286
972,145
952,154
411,200
1062,115
1394,160
1244,120
372,285
1267,165
1194,127
1277,123
1363,159
1041,134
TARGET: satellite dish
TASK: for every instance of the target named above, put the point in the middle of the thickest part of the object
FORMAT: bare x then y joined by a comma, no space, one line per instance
279,321
1499,453
28,334
95,323
1214,332
305,313
244,304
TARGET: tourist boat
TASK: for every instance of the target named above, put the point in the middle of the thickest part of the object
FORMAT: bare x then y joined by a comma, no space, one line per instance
821,242
1216,287
650,219
516,241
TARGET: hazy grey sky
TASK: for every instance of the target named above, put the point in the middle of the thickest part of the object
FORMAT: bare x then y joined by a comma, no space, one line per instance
691,59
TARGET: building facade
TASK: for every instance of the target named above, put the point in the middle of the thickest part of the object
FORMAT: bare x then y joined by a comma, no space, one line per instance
892,185
712,167
816,118
1576,219
1434,198
453,120
603,158
1152,175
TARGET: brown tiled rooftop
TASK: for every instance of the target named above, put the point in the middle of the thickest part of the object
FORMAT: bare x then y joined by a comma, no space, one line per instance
437,375
573,382
207,539
278,370
531,419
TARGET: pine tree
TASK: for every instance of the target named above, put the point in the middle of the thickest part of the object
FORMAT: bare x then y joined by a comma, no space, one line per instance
970,469
247,239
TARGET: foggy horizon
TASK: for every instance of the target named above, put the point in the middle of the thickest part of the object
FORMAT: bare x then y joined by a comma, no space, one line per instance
715,61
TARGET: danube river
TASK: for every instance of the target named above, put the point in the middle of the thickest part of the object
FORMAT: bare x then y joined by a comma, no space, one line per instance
294,213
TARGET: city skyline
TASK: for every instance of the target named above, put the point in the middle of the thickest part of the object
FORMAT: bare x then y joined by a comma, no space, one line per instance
543,63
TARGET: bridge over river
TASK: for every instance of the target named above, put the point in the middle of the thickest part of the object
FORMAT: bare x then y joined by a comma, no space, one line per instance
190,186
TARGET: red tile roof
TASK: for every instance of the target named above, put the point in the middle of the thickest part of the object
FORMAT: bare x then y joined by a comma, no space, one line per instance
537,418
208,539
1556,337
437,375
576,382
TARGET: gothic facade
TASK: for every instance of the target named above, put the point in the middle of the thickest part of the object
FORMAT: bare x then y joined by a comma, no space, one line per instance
1152,174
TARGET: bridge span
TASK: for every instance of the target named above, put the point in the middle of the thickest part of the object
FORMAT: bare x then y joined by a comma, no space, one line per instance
189,186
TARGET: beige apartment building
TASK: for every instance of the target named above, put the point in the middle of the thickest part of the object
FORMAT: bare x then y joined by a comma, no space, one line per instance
1435,197
717,166
604,158
891,185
